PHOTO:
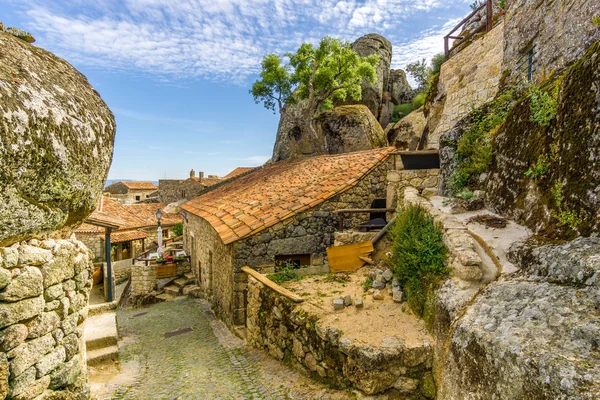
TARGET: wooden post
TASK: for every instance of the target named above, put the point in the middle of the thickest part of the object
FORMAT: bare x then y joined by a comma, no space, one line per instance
490,15
109,282
446,50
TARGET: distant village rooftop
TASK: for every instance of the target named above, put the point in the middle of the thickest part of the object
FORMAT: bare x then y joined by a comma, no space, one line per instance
279,191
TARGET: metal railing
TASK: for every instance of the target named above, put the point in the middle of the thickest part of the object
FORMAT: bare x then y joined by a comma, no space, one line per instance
488,26
526,65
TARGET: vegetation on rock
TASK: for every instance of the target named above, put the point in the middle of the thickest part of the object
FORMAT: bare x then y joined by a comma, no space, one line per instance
319,76
418,255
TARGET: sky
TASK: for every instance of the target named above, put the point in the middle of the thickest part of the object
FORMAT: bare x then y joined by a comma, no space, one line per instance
176,73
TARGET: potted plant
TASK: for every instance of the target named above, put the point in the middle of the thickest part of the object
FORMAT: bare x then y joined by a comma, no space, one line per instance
161,260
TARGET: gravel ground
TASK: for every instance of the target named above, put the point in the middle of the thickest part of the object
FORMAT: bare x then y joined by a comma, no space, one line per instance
206,362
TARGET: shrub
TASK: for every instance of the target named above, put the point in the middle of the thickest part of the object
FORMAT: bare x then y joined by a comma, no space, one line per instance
543,105
418,101
418,254
401,111
285,272
565,217
436,63
177,229
540,168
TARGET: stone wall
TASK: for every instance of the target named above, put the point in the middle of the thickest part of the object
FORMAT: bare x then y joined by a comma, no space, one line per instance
561,31
212,264
44,293
424,180
290,334
92,242
171,190
143,278
467,80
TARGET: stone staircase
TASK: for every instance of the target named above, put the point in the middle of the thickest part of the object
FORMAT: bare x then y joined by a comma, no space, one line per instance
183,285
101,338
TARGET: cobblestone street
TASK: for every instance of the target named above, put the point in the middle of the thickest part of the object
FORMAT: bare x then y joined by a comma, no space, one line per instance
206,362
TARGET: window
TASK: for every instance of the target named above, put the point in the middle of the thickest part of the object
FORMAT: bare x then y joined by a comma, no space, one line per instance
147,195
137,198
297,260
165,233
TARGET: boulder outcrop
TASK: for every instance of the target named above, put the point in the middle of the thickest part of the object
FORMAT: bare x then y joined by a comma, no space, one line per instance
56,142
533,334
351,128
405,133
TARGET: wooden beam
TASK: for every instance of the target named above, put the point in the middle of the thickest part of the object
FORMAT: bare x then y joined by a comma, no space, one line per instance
272,285
365,210
367,260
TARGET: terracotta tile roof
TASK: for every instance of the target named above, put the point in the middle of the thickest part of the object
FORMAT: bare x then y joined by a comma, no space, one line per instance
126,236
278,191
140,185
238,171
126,216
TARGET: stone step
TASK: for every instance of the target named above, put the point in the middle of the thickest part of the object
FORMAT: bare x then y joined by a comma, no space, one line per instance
192,290
181,282
103,355
101,331
172,290
165,297
190,276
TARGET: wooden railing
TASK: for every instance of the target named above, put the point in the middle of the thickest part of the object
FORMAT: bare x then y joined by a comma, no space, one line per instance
489,24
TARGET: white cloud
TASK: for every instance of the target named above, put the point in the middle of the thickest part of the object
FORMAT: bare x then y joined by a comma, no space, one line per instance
213,39
254,161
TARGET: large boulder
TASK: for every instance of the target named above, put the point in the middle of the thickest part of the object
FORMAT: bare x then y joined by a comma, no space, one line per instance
56,142
534,334
399,88
351,128
373,93
405,133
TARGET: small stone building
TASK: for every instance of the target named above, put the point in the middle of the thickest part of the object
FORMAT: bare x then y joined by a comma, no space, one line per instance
286,211
131,192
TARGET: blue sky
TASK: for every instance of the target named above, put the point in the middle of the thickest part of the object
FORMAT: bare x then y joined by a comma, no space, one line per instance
176,73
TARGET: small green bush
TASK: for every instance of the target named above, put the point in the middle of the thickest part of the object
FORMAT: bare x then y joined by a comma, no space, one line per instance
401,111
286,274
436,63
367,283
596,20
418,101
540,168
418,255
543,105
177,229
565,217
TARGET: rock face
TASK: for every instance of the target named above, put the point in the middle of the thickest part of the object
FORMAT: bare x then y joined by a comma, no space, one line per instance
56,142
405,133
373,93
351,128
399,88
534,334
565,200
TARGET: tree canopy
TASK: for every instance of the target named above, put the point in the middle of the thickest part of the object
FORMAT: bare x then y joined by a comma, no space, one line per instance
322,75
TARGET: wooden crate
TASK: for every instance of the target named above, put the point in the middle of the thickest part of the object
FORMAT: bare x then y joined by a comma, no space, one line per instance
166,270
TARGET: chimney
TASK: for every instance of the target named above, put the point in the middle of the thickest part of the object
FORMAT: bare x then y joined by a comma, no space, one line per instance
200,176
192,173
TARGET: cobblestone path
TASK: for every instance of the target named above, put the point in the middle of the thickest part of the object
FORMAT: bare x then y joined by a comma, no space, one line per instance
207,362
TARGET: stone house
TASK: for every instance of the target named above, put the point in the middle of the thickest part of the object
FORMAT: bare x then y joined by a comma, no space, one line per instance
131,192
286,211
137,228
174,190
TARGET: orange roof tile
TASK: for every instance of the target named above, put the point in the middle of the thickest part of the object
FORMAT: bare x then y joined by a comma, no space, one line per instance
140,185
278,191
238,171
126,236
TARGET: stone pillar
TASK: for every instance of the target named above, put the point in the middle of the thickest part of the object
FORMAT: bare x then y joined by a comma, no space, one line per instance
143,278
44,294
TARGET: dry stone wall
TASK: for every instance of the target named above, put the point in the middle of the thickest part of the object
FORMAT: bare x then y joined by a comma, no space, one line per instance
467,80
44,293
290,334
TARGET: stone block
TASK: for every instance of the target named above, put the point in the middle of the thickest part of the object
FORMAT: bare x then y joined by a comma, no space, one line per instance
406,385
54,292
61,267
338,304
4,374
43,324
347,300
397,295
27,354
358,303
66,374
34,256
34,390
13,336
377,295
379,282
469,257
22,382
10,257
69,324
467,272
11,313
28,284
5,277
387,275
50,361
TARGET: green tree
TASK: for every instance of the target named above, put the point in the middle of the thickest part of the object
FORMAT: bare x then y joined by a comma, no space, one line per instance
177,229
318,76
420,71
